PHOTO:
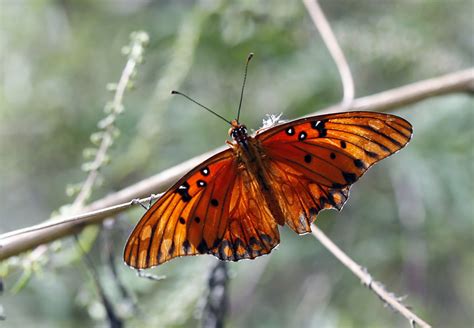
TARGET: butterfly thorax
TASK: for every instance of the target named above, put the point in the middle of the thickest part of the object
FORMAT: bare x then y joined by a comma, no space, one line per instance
251,158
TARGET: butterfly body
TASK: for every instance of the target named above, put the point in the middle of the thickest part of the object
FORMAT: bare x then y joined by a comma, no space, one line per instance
230,206
251,157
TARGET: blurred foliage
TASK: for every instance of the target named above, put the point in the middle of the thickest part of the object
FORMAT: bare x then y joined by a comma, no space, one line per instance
409,220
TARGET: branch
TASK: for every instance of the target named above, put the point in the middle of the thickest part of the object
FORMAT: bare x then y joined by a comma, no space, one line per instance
321,23
366,278
18,241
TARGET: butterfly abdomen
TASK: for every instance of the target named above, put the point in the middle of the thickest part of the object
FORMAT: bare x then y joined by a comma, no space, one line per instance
252,157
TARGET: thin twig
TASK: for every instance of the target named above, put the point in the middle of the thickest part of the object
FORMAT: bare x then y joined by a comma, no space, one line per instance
366,278
18,241
134,59
329,39
319,20
135,52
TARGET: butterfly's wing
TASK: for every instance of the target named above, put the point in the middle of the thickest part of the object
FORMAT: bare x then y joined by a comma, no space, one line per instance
211,210
252,231
188,219
312,162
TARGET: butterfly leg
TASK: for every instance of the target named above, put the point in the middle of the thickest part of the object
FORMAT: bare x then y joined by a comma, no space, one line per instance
149,276
139,202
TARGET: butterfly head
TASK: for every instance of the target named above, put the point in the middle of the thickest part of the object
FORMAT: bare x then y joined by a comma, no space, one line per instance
238,131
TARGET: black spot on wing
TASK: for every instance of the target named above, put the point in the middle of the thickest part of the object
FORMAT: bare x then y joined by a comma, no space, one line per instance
186,246
202,247
217,242
266,239
372,154
171,249
183,191
359,164
302,136
254,243
320,127
349,177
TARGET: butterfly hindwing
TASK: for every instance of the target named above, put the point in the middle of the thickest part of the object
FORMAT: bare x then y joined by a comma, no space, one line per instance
302,198
312,162
252,230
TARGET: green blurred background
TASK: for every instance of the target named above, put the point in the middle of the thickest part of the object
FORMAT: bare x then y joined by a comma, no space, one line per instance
409,220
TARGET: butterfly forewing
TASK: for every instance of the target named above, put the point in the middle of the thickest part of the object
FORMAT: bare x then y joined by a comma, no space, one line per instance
312,162
190,217
335,150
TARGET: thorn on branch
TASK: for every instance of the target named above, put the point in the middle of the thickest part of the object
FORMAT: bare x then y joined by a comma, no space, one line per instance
138,201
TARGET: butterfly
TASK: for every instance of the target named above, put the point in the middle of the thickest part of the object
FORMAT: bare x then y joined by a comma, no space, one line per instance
231,205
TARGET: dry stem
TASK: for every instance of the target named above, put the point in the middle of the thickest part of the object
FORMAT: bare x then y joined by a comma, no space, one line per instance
366,278
321,23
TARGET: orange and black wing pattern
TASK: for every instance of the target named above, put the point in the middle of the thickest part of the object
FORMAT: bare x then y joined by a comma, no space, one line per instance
215,209
313,161
252,231
190,218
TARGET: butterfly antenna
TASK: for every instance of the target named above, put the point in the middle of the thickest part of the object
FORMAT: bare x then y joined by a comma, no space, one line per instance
174,92
243,84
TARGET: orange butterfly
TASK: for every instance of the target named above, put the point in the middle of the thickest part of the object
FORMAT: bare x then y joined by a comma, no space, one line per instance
231,205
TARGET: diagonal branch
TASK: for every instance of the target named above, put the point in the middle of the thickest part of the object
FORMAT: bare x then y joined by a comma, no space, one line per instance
366,279
324,28
18,241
